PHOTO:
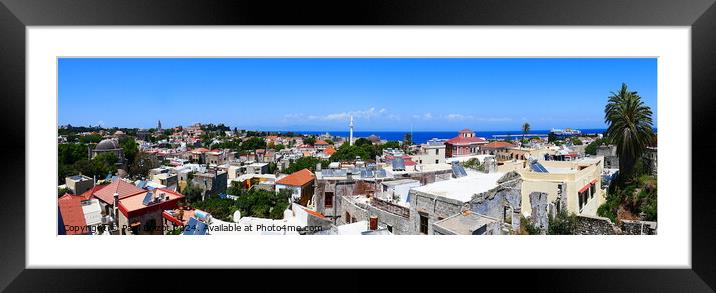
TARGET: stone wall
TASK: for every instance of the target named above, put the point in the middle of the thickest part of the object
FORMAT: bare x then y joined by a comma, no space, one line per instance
504,198
434,207
400,225
638,227
595,226
539,217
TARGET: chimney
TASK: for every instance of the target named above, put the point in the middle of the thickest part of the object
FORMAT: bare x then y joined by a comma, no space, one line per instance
116,209
373,223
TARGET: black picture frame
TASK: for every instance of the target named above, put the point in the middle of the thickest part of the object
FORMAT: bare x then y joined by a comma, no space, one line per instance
700,15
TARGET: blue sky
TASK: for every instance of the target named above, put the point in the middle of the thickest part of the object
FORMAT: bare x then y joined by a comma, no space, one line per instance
320,94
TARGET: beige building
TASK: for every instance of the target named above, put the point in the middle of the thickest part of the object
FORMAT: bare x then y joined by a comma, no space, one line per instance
78,184
432,152
579,182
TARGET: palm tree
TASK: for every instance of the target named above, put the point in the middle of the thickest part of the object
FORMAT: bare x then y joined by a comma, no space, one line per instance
525,130
630,126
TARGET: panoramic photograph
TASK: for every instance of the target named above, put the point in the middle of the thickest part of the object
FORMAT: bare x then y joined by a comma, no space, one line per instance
357,146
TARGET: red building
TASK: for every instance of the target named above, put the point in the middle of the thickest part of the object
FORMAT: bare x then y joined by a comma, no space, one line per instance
142,212
464,144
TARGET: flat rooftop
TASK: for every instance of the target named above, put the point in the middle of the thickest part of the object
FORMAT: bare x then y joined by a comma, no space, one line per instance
79,178
400,182
481,158
464,223
463,188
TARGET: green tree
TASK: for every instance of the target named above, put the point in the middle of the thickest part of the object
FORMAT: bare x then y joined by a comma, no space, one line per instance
474,164
349,153
309,140
62,191
525,129
575,141
407,140
106,159
592,147
362,141
302,163
219,208
279,147
551,137
562,224
129,148
142,164
90,138
69,153
630,126
253,143
192,192
272,166
393,144
527,228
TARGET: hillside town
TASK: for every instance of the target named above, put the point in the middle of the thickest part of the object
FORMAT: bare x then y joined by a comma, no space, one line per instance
211,179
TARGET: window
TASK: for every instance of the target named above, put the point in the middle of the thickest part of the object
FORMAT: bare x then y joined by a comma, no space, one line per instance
437,161
328,201
390,228
423,224
348,218
437,151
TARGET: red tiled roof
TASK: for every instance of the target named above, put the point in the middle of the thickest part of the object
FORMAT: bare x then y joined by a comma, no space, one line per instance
498,145
87,194
315,213
134,204
466,140
299,178
465,130
329,151
320,142
200,150
71,212
410,163
122,187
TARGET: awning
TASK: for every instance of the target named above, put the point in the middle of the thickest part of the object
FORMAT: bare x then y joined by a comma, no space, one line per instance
585,188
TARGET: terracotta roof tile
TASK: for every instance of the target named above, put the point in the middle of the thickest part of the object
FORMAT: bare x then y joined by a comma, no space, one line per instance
122,187
498,145
135,202
329,151
298,178
71,212
466,140
314,213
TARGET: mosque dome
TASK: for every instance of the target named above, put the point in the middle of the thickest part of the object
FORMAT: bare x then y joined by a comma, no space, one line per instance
107,144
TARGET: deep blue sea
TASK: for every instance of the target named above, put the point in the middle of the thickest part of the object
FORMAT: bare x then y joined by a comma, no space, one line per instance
423,136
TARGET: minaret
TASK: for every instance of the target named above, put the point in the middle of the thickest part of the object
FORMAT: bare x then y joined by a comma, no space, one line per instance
350,139
159,125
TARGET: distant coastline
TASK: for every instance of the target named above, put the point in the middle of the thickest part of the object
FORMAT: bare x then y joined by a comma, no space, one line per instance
423,136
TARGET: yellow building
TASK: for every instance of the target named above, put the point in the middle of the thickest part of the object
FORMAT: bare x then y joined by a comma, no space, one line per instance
578,181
